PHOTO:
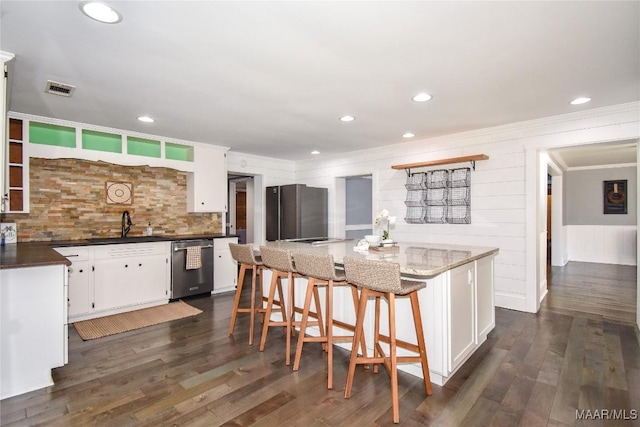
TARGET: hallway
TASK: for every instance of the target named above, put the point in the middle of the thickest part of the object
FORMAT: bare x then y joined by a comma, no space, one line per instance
596,291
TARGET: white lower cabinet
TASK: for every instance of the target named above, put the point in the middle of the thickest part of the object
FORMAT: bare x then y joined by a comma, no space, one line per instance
109,279
80,295
150,275
113,284
33,337
461,314
225,268
485,299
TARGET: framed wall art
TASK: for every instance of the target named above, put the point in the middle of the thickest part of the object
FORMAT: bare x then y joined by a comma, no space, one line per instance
615,196
119,193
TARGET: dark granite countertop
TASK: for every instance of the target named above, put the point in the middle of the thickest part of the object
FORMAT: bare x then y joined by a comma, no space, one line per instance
34,254
21,255
134,239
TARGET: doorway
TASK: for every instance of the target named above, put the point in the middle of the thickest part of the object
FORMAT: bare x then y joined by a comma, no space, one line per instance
358,202
241,207
574,175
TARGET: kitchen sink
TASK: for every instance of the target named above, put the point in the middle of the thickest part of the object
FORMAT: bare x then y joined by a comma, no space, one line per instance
133,239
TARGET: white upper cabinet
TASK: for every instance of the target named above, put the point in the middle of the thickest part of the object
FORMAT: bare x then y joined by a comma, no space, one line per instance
207,184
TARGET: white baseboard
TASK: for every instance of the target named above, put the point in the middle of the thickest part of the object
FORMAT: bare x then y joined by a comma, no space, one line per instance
511,301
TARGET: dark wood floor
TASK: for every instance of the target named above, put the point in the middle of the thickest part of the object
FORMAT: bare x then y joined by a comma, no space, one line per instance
534,370
598,291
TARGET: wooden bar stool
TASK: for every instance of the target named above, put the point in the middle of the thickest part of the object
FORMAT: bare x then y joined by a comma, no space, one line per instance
245,256
320,270
382,279
280,263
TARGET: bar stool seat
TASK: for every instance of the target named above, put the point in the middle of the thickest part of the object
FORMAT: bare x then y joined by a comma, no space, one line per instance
319,268
381,279
247,260
280,263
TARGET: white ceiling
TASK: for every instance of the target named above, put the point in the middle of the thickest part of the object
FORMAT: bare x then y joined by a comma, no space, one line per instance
594,155
272,78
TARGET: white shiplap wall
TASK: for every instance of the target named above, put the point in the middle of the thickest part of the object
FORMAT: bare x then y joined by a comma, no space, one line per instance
497,198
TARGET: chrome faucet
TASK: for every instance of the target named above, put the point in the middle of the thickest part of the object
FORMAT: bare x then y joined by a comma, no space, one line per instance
126,223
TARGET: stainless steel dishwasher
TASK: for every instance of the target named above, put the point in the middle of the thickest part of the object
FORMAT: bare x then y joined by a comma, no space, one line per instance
191,281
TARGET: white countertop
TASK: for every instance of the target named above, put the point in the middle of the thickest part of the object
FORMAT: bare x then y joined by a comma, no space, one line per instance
417,259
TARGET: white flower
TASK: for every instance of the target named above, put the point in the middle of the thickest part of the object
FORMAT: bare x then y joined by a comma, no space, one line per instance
384,220
382,217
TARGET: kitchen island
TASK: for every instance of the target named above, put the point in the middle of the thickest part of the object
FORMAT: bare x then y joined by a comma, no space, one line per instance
457,305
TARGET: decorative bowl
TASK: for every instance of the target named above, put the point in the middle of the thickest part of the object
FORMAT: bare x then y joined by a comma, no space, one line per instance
372,238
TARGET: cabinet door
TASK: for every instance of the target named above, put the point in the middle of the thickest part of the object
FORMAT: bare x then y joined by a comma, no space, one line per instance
485,300
113,284
225,268
207,184
80,294
79,281
151,278
461,314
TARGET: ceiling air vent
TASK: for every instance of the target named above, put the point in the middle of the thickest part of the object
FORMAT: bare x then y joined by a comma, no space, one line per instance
61,89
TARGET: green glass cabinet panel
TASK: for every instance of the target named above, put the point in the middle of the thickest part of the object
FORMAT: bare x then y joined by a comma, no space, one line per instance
143,147
44,133
178,152
100,141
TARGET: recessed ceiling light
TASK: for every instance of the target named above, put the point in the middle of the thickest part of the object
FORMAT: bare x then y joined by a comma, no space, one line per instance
315,152
579,101
347,118
101,12
422,97
146,119
408,135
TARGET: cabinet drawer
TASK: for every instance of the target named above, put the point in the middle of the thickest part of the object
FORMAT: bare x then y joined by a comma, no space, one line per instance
130,249
74,253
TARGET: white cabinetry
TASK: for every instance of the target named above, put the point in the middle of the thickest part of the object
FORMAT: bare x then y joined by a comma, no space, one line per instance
151,277
109,279
457,309
461,314
225,268
113,286
485,301
33,337
207,184
131,274
80,296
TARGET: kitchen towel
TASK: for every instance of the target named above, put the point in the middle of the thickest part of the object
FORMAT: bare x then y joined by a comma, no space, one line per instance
194,258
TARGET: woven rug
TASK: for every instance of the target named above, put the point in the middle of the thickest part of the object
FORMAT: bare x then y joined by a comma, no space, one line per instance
123,322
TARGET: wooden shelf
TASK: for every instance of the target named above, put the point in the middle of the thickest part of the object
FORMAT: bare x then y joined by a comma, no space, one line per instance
17,165
448,161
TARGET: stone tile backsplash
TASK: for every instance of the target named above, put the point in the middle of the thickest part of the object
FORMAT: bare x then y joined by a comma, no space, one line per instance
68,202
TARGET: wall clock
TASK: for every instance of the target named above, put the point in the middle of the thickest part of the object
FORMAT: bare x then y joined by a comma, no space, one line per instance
119,193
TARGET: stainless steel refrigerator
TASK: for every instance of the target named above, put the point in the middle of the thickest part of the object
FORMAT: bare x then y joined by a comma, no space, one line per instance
295,212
